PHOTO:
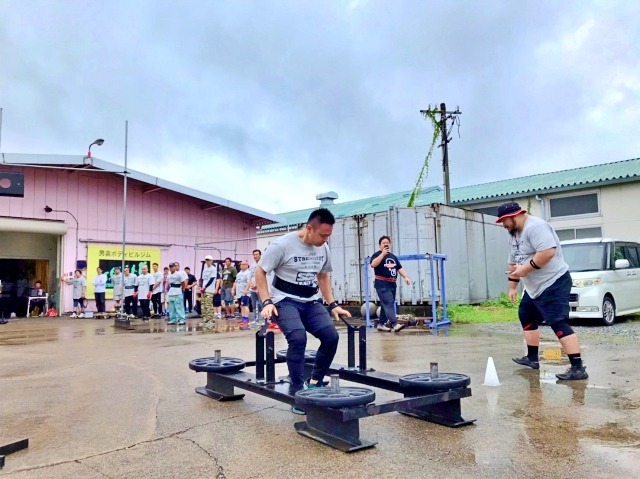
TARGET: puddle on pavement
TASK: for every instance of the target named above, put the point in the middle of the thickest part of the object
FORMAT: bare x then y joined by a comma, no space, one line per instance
25,336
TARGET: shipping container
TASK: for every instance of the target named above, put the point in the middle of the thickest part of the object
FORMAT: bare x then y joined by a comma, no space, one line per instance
475,246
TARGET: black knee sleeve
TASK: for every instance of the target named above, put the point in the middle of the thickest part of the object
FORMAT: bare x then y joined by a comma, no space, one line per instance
562,329
528,324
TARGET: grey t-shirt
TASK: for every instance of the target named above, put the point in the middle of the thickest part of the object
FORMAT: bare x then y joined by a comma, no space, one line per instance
537,235
78,285
116,279
292,260
129,283
242,279
144,282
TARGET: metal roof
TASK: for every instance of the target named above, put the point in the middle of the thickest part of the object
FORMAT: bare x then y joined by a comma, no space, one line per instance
80,161
576,178
565,180
357,207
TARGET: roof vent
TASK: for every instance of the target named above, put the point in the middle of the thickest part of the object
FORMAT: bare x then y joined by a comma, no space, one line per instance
326,199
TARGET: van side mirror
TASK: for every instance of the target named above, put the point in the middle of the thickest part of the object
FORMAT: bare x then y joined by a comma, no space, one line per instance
621,263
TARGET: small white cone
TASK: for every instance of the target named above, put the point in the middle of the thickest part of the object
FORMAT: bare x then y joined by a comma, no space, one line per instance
491,376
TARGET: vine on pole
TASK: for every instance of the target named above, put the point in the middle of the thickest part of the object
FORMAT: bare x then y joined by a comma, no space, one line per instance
431,115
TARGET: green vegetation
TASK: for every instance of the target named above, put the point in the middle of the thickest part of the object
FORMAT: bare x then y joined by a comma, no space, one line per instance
500,310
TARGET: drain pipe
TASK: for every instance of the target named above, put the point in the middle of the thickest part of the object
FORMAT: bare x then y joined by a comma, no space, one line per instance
358,219
543,213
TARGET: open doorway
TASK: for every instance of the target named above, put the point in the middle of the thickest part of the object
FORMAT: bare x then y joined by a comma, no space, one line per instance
18,276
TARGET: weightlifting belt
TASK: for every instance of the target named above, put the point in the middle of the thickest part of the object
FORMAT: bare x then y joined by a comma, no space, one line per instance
293,288
388,280
175,285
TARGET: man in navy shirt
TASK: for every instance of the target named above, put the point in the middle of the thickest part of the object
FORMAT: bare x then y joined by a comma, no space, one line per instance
387,267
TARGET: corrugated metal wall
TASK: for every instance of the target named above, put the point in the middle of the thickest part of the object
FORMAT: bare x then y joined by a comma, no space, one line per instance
476,249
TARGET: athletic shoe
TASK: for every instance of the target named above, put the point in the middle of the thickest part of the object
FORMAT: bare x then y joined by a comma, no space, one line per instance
573,373
382,327
181,322
74,315
525,361
171,322
398,327
81,315
297,410
308,385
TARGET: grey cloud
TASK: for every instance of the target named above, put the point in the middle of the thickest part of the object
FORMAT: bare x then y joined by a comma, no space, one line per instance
332,92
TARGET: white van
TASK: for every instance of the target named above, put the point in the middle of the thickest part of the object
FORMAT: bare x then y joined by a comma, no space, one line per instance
606,278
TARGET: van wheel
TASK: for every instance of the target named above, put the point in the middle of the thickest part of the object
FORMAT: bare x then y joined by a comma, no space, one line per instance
608,311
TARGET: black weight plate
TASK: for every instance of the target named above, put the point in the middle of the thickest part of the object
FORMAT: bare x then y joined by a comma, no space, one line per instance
309,355
444,381
323,397
210,365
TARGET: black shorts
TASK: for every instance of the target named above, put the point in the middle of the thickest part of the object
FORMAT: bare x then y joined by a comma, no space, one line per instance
551,306
217,300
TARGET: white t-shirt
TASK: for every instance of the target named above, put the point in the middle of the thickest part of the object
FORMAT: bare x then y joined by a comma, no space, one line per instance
158,277
208,273
292,260
144,282
177,277
100,283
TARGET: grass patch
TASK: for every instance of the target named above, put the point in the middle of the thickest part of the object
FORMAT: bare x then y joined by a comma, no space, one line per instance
500,310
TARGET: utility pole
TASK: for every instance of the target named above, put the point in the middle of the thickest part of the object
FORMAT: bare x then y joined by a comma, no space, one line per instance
444,117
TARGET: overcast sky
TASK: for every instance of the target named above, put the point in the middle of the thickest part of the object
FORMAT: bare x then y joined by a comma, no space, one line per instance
268,103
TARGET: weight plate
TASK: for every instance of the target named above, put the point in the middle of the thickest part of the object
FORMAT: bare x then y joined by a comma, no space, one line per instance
444,381
225,365
309,355
323,397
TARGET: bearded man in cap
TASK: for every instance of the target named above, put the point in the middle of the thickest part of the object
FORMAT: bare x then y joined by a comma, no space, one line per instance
535,258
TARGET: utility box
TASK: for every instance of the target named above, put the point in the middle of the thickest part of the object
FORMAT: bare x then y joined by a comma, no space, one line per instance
11,184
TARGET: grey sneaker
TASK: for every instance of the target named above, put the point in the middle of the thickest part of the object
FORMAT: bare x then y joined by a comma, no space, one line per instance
525,361
298,410
573,373
382,327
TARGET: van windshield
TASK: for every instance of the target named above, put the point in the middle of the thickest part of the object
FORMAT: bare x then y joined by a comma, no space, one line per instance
585,256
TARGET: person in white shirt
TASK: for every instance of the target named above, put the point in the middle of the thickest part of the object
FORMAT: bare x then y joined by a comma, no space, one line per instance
208,289
156,293
130,295
144,283
240,291
79,283
116,280
99,287
177,281
256,304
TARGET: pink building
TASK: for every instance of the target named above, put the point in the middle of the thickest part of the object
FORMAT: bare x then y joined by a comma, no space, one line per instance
165,222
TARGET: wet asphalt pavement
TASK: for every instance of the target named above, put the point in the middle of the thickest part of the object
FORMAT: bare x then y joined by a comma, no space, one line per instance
97,402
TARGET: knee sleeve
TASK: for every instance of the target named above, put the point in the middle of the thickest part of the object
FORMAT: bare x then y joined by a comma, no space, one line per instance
528,324
562,329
